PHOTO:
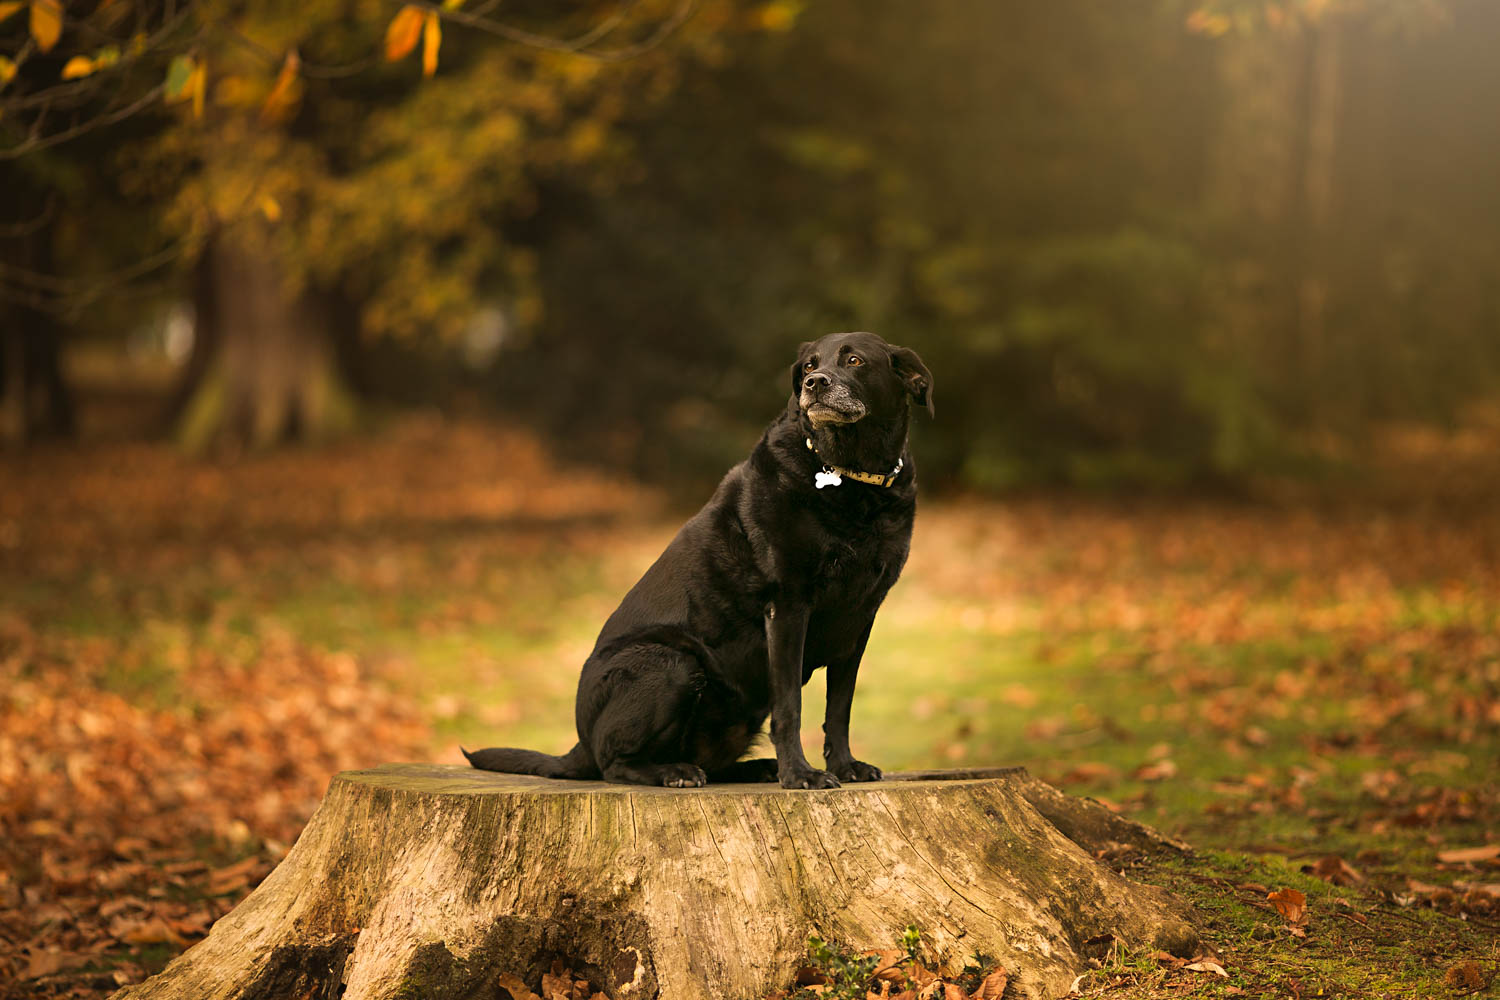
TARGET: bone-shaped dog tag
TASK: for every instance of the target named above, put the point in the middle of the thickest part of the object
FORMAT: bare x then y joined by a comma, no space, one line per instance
827,478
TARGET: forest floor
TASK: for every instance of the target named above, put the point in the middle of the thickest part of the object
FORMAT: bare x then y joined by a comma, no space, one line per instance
1305,688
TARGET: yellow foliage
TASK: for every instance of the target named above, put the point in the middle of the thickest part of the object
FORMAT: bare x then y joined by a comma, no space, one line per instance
9,7
585,139
402,33
432,37
7,70
196,84
778,15
46,23
236,91
78,67
286,93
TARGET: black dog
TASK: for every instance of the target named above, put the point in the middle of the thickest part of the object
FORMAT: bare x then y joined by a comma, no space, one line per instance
780,573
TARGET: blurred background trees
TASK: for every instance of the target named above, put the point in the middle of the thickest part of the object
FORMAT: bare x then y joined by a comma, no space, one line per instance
1161,245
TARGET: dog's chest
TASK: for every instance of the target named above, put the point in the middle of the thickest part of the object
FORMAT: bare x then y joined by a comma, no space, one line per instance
858,568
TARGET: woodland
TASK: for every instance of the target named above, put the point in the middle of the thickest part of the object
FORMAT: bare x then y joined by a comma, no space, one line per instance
356,356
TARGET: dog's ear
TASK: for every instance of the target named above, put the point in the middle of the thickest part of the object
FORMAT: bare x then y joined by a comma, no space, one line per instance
916,376
797,368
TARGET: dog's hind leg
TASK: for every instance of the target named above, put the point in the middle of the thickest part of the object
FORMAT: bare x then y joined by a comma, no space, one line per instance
640,715
759,769
633,772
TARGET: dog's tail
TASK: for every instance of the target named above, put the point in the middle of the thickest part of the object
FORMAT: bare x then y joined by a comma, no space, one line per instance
576,763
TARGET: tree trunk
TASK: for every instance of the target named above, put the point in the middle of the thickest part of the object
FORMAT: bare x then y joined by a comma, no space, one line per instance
263,368
34,398
416,880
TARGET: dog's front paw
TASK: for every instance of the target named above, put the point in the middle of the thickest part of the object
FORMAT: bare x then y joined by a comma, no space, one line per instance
807,777
854,770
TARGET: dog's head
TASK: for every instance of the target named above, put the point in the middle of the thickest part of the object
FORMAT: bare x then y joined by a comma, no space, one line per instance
843,377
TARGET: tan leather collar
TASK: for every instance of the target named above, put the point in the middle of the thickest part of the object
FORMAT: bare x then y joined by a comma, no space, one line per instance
833,475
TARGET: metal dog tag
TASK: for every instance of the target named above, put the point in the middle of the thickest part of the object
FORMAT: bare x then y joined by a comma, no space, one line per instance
827,478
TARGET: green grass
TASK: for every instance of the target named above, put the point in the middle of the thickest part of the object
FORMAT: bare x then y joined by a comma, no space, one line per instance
1267,751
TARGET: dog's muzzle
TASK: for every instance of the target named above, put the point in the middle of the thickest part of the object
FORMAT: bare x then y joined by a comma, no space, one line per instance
834,405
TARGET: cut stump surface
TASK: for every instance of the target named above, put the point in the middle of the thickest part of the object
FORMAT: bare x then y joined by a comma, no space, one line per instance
432,881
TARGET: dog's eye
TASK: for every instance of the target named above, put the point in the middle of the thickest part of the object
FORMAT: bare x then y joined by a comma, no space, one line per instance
809,366
854,360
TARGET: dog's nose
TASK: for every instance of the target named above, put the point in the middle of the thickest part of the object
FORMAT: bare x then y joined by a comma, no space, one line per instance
816,380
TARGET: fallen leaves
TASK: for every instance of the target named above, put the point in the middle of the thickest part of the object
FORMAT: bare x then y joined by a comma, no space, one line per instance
559,984
992,987
152,769
1470,977
1470,855
1159,770
103,801
1290,903
890,974
1334,870
1207,965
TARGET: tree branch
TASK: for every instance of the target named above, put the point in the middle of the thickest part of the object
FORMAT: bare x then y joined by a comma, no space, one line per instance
36,142
576,46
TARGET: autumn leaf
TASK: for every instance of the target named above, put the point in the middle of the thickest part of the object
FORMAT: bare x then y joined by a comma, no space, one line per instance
286,92
9,7
179,75
1334,870
1159,771
1470,855
888,965
1207,965
993,986
402,33
432,37
152,930
78,67
1469,977
197,83
7,70
46,23
1290,903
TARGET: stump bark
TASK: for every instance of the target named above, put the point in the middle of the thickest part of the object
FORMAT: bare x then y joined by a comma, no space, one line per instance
419,880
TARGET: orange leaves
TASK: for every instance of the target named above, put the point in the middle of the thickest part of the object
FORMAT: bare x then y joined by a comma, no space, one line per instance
78,66
410,25
1334,870
286,92
992,987
892,974
112,796
46,23
402,34
81,66
186,81
559,984
1290,903
1470,855
432,37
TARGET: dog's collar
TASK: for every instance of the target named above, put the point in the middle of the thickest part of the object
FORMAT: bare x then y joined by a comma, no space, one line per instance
833,475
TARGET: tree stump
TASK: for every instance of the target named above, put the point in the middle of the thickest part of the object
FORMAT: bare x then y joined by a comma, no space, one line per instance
420,880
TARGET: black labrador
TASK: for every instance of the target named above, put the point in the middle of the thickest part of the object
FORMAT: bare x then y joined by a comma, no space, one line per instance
781,572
